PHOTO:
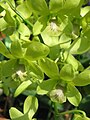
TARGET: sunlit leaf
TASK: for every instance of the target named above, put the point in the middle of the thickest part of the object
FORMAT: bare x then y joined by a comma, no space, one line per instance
3,24
30,106
34,68
82,45
46,86
85,10
25,31
39,6
16,49
4,51
9,19
15,113
9,67
83,78
55,5
36,50
71,4
22,87
37,28
54,52
67,72
65,41
73,95
49,67
24,10
70,59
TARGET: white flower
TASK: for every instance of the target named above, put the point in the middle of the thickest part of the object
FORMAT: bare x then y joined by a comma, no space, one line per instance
54,27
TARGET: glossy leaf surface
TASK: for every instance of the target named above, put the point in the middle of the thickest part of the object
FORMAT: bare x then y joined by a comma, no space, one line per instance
73,95
49,67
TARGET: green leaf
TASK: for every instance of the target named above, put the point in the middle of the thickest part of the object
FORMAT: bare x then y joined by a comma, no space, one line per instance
71,4
24,10
71,60
3,24
9,19
9,30
85,10
53,29
71,9
37,28
50,34
73,95
82,45
46,86
54,52
55,5
30,106
49,40
1,9
4,51
25,31
80,117
49,67
19,2
65,41
22,87
66,25
14,113
67,72
85,21
86,118
36,50
17,115
33,67
83,78
38,6
6,6
9,67
16,49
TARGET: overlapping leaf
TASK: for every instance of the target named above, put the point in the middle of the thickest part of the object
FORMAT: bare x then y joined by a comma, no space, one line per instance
46,86
83,78
73,95
67,72
49,67
36,50
38,6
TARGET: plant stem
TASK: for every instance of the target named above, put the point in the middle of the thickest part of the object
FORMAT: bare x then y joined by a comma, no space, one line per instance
72,112
56,112
30,25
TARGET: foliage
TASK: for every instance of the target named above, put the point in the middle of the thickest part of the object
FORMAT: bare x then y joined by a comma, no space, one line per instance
43,39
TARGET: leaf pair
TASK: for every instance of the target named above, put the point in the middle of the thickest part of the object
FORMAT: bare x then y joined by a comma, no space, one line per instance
34,51
30,107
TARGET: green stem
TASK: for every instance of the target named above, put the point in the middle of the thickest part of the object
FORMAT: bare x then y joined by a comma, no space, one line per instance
68,50
56,112
75,41
73,112
30,25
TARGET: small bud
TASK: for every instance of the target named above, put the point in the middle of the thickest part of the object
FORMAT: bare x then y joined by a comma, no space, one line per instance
53,25
57,95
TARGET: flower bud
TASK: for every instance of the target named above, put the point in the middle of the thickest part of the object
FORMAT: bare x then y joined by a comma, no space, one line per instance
57,95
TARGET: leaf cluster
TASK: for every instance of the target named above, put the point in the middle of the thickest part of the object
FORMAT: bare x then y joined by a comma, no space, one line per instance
43,39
